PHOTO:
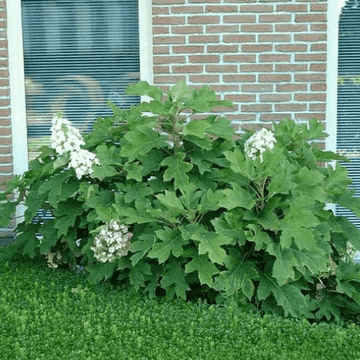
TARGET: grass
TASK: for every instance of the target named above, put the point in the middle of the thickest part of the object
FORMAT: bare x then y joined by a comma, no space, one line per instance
54,314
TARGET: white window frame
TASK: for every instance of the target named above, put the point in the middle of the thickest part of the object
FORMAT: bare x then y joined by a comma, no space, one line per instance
17,77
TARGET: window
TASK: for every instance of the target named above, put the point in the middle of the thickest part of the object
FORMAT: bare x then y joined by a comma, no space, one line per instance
18,67
348,96
77,55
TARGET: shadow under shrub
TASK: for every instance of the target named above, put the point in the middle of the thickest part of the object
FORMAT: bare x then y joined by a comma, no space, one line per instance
180,208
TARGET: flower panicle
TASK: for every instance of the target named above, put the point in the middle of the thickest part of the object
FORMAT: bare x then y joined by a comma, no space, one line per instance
259,142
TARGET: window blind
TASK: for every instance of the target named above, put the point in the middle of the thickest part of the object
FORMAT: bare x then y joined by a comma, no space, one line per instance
348,100
77,55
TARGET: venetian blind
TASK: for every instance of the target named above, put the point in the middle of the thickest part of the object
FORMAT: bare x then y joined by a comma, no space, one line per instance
78,54
348,108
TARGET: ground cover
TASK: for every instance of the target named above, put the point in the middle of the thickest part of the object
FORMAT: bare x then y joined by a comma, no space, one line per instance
55,314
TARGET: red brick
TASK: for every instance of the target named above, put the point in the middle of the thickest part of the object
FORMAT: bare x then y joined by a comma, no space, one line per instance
317,107
318,67
169,59
5,112
221,8
169,40
163,10
6,169
291,8
274,58
310,57
310,97
310,77
240,58
318,47
291,67
312,37
184,29
204,58
168,2
203,19
5,131
187,9
239,19
309,116
256,28
318,27
239,38
318,87
161,50
275,97
222,68
159,30
168,20
242,117
274,18
222,29
204,78
318,7
274,78
222,48
202,1
274,117
5,150
289,28
241,98
256,8
204,39
5,141
187,69
168,79
291,107
224,108
256,68
225,88
256,48
256,108
310,18
291,48
161,69
6,159
188,49
257,88
274,38
5,122
291,87
239,78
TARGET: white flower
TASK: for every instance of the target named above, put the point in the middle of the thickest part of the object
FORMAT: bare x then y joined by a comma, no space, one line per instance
83,161
258,143
112,242
77,242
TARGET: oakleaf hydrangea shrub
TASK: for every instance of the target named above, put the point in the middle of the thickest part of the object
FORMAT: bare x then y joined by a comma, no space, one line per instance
166,199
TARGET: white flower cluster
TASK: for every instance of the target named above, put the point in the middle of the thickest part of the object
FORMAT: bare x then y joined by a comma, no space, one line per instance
112,242
259,142
82,161
65,138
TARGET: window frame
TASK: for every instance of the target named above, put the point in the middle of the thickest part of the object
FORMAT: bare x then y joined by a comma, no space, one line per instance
17,77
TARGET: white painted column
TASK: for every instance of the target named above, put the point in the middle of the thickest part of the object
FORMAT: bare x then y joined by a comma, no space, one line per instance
17,93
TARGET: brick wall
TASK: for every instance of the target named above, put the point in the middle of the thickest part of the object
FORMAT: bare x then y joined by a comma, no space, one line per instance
268,57
6,159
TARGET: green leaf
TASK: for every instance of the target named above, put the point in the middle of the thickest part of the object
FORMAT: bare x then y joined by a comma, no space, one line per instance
33,202
287,296
237,197
134,171
210,242
231,226
210,200
222,128
260,238
141,247
238,277
281,181
137,273
171,201
141,141
241,164
98,271
350,230
50,237
196,128
177,169
66,215
144,88
201,164
180,92
347,199
205,268
171,242
136,192
337,180
175,275
288,259
6,211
